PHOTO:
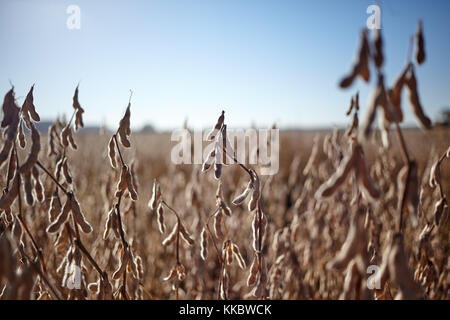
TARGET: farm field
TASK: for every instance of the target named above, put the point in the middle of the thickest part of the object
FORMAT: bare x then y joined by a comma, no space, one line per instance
303,235
251,207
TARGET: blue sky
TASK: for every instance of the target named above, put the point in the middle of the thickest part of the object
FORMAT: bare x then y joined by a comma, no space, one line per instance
261,61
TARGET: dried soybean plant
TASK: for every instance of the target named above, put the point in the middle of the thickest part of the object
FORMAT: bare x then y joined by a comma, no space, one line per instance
223,154
339,205
126,187
157,203
441,206
353,256
67,219
230,251
13,120
388,102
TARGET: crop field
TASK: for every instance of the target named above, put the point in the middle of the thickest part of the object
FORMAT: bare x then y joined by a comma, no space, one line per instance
352,213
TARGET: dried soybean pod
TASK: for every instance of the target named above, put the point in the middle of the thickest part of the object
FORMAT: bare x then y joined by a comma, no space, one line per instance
64,136
130,185
217,170
58,167
185,235
7,199
255,231
156,195
11,131
379,98
218,224
414,100
181,272
29,108
212,134
75,103
78,110
435,174
73,145
352,246
112,152
209,160
254,270
79,216
55,207
51,140
225,208
438,210
38,188
34,152
160,218
395,94
253,201
263,224
224,285
240,198
66,172
172,274
420,55
140,267
21,136
378,56
123,264
172,236
363,174
361,67
124,127
79,119
132,266
62,217
238,256
204,244
263,271
109,223
9,108
337,179
387,110
255,192
122,184
28,188
228,254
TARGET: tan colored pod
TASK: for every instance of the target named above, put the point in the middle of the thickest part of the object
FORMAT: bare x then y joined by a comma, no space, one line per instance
61,219
79,216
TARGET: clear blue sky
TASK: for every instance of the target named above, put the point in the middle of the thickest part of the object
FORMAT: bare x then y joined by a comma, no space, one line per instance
261,61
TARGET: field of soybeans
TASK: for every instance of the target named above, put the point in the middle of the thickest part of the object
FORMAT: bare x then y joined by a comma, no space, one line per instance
353,213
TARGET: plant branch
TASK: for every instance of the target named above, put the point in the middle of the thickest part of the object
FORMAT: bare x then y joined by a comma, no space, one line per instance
39,164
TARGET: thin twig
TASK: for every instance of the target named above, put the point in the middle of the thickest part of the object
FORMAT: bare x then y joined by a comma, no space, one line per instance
118,148
408,174
52,177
